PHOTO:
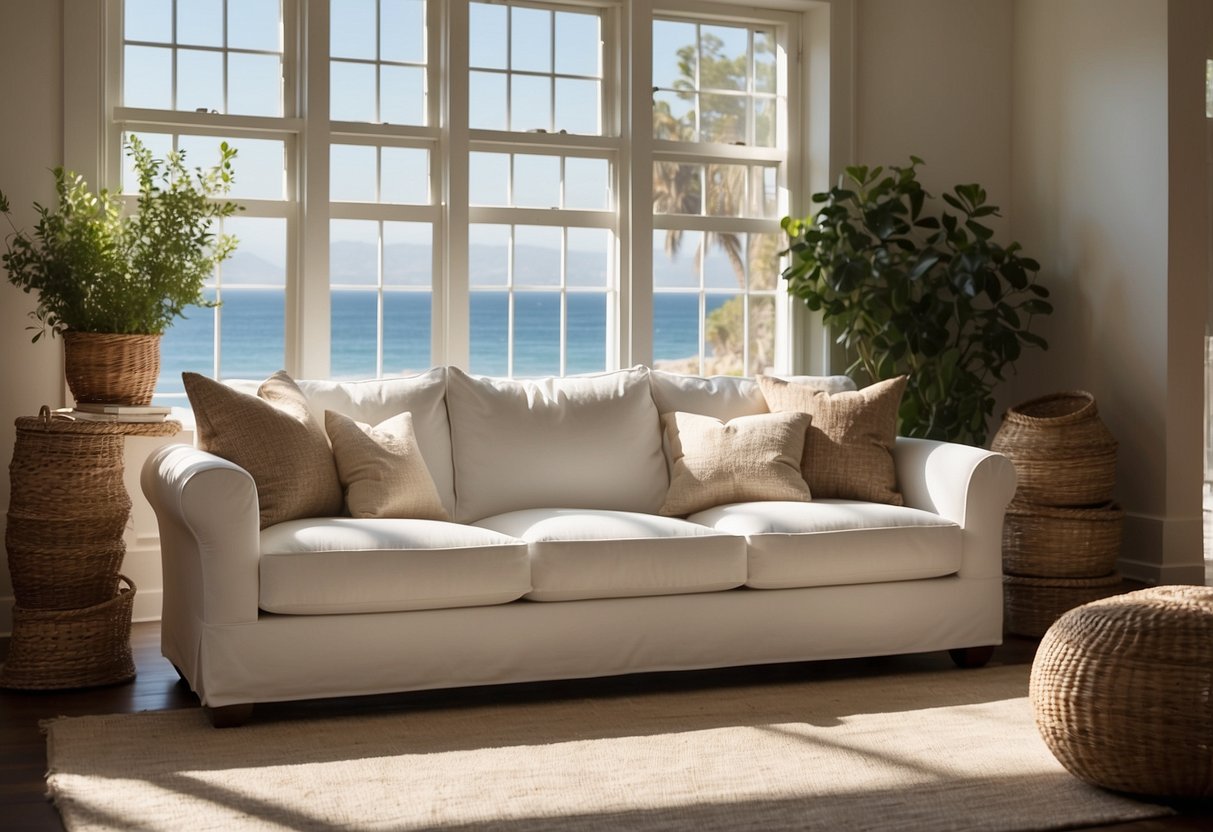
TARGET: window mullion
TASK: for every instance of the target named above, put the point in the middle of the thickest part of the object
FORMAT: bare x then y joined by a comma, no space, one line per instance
451,298
308,305
636,188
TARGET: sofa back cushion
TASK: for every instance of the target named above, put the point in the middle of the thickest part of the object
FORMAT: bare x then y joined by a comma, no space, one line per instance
726,397
579,442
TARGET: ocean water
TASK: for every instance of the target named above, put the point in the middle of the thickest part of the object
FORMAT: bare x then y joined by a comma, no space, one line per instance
252,327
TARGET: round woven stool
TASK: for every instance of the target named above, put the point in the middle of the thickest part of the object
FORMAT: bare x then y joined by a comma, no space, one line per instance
1121,689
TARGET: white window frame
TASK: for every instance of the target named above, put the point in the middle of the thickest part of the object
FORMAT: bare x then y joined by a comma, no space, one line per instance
822,85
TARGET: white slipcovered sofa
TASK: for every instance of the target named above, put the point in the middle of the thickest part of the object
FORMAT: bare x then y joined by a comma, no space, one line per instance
555,563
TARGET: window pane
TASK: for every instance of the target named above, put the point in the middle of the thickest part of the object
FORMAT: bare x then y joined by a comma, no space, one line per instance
487,101
402,32
723,334
187,346
408,254
259,166
578,44
723,118
405,175
352,173
588,258
251,332
489,255
487,36
677,188
354,252
674,259
722,58
260,256
148,20
536,255
676,332
160,144
726,190
764,122
586,183
353,350
148,77
488,178
200,22
406,332
254,84
674,116
586,339
577,106
723,262
199,80
762,260
352,95
537,334
530,39
674,54
352,29
762,334
530,103
489,324
402,95
254,24
764,61
536,181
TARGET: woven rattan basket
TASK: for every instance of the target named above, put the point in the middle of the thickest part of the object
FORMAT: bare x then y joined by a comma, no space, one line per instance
1063,453
1049,542
53,649
1031,605
109,368
1120,689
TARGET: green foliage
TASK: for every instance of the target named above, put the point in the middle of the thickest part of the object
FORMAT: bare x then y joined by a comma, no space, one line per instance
910,291
98,270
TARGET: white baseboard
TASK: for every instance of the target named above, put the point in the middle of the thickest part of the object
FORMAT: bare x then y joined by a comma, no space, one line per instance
1163,550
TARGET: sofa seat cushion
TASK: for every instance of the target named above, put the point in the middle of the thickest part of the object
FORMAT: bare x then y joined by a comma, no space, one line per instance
590,553
836,542
345,565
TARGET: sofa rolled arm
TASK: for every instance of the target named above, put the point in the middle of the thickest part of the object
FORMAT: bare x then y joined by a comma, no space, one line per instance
967,485
207,511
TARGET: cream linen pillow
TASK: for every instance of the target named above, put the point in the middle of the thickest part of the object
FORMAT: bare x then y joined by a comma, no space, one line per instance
381,468
849,449
748,458
274,437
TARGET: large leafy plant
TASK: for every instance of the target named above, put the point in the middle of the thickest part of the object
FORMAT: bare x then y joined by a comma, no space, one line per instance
97,269
909,290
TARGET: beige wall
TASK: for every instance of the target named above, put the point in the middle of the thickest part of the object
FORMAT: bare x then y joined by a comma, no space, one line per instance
1107,131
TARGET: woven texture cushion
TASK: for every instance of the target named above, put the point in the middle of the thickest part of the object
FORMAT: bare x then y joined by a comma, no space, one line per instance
579,442
748,458
381,468
272,436
848,454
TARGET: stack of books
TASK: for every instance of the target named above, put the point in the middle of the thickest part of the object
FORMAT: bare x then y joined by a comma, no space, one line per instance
86,412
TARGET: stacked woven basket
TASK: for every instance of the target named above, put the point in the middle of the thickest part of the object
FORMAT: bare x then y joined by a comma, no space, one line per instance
1062,533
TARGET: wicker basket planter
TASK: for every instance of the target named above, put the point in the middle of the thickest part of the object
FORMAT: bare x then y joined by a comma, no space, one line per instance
113,369
1120,690
1050,542
1063,453
54,649
1031,605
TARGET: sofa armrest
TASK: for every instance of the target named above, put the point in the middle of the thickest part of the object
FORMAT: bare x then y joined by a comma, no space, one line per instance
210,531
969,486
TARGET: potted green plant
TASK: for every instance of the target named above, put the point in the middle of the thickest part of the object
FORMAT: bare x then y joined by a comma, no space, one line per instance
110,282
911,292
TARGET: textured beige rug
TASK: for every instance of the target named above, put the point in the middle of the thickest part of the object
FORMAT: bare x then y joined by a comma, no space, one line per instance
937,751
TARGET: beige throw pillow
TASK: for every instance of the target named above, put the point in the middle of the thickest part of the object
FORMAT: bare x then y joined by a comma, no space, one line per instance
748,458
274,437
849,450
381,468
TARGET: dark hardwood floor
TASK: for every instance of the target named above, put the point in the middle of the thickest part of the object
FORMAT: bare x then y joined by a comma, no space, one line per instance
23,805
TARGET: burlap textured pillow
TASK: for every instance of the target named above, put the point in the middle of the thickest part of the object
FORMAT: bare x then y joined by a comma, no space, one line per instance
748,458
849,450
274,437
381,468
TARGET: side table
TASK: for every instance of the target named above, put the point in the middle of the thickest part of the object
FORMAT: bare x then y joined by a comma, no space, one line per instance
66,516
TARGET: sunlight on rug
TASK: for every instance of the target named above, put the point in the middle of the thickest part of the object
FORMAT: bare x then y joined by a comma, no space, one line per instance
955,750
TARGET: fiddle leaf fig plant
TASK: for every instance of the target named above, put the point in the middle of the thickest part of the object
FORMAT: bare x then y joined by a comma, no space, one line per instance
918,291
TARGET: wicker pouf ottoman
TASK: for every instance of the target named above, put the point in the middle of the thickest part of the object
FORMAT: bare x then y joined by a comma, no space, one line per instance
1122,690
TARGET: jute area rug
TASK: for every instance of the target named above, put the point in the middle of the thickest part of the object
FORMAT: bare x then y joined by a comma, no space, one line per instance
927,751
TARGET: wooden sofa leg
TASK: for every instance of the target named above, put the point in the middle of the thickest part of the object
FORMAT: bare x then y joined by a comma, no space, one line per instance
969,657
230,716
